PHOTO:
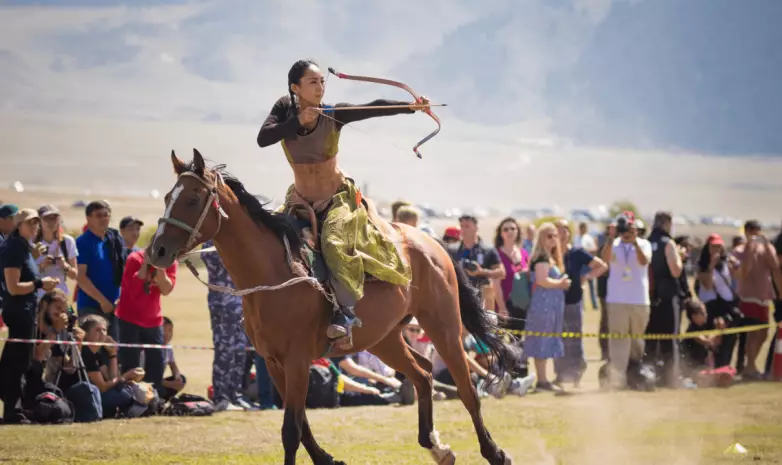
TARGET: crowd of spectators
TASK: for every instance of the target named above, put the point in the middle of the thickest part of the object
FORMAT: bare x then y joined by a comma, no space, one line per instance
98,289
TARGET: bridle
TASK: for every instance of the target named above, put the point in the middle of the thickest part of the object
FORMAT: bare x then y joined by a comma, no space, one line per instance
212,201
195,234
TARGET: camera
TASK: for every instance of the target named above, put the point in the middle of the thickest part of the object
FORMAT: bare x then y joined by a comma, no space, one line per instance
623,224
470,265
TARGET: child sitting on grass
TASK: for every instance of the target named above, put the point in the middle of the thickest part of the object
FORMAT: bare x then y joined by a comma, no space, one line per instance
174,384
699,351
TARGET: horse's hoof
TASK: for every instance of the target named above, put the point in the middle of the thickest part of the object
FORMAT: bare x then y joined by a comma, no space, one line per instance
508,460
444,457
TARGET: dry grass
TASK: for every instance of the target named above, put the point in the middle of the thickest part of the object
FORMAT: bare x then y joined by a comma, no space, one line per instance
587,427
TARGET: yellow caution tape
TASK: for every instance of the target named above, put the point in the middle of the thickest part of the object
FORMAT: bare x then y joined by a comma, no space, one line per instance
575,335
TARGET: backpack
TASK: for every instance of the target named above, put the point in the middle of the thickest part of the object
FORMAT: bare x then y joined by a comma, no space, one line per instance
322,392
85,396
188,405
50,407
521,290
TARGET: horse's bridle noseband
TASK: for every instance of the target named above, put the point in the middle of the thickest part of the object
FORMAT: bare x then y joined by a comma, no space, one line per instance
211,202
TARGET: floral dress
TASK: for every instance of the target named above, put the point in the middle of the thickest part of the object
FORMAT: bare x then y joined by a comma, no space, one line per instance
545,314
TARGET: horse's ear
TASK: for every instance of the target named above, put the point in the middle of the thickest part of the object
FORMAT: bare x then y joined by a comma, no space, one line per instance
199,166
179,165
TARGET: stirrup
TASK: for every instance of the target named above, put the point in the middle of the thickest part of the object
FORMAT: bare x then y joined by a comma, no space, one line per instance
339,330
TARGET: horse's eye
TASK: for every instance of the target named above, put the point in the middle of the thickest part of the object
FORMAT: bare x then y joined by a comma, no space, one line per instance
192,201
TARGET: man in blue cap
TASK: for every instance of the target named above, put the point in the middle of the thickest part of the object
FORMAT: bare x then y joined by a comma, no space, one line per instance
7,212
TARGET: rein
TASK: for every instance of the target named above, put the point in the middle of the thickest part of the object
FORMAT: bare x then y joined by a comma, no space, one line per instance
195,234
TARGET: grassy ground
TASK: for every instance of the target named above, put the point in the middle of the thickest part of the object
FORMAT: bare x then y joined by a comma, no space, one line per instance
587,427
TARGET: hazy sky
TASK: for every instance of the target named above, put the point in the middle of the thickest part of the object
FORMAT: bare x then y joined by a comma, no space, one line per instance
569,102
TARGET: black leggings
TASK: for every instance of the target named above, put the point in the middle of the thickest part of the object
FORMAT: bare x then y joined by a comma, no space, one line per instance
17,356
724,353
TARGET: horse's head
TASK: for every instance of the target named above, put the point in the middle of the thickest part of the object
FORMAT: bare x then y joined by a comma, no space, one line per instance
193,214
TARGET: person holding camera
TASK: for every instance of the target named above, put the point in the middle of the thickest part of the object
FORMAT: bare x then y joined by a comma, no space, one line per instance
59,259
715,290
627,297
481,263
51,364
665,296
602,286
20,283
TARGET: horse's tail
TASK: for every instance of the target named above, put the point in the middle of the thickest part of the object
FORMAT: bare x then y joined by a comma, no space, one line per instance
483,325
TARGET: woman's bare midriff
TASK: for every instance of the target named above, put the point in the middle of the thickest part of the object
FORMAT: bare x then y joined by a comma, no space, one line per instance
316,182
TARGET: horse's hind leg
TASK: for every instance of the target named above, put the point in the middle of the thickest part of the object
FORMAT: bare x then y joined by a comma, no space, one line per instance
445,337
394,352
318,455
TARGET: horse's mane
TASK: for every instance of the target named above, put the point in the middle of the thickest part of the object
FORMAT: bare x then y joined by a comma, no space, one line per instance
281,225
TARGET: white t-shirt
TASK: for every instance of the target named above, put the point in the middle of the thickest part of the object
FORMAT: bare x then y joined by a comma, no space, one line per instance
55,250
586,242
628,281
721,279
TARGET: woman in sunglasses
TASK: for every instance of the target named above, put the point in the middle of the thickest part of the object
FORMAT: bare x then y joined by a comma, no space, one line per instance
547,307
507,241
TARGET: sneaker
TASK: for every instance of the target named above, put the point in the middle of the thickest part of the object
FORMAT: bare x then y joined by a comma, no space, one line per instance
547,386
499,388
688,383
391,397
521,386
439,396
247,405
226,405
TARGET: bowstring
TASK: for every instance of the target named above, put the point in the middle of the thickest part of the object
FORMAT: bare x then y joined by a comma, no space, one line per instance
323,113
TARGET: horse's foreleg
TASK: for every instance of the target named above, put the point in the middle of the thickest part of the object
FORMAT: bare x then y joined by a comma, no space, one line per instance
394,352
296,383
318,455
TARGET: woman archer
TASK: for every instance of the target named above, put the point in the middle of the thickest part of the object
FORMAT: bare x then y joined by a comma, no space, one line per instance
350,242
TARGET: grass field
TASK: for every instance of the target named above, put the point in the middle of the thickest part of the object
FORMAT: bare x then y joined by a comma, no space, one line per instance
587,427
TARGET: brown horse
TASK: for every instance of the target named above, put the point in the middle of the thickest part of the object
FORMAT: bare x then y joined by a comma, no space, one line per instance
286,318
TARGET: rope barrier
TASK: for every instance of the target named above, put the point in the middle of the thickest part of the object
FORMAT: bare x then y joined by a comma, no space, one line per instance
564,335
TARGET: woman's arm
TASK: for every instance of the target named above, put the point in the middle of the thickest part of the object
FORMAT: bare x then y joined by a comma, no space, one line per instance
72,268
12,277
597,268
476,367
344,117
96,378
502,308
542,278
353,386
278,124
358,371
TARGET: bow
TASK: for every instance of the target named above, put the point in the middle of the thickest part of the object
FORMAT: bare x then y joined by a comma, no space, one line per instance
389,82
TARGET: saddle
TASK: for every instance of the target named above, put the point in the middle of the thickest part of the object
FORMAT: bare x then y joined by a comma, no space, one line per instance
309,220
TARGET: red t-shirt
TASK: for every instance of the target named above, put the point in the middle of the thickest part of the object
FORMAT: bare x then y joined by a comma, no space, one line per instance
136,306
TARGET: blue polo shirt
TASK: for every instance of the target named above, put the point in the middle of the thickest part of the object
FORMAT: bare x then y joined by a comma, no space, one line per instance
96,254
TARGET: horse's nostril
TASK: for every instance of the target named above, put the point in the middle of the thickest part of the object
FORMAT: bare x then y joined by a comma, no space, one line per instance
161,252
